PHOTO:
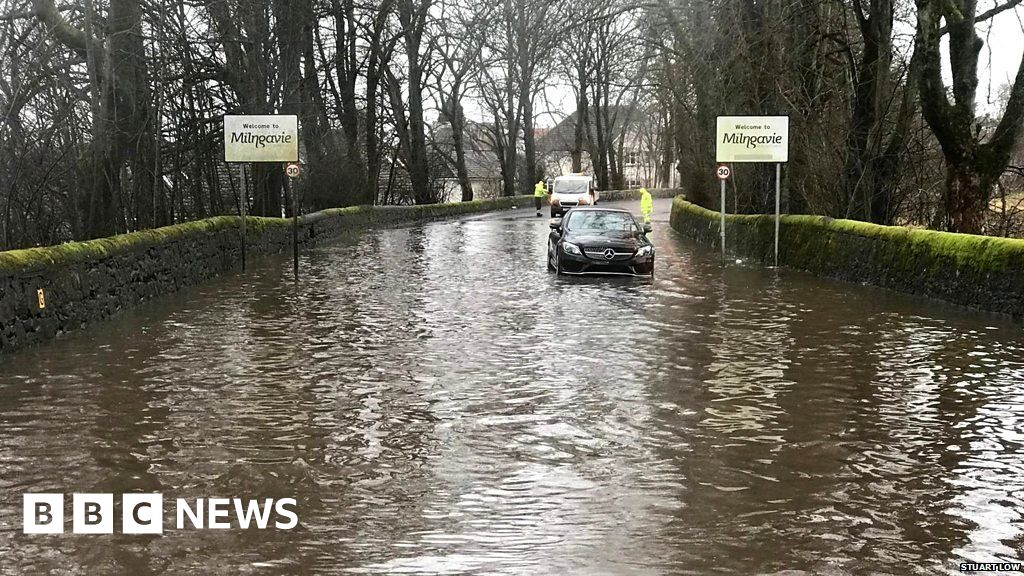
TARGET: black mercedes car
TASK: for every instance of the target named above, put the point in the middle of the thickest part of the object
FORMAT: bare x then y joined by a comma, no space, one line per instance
600,241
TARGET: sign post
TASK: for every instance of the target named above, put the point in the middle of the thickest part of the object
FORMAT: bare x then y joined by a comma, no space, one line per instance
778,181
266,138
723,174
293,170
755,139
243,197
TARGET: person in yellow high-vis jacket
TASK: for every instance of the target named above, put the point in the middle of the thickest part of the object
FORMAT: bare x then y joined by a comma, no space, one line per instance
646,205
539,192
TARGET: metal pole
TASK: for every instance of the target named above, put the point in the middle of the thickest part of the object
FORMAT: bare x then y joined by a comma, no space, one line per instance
242,205
778,179
295,228
722,221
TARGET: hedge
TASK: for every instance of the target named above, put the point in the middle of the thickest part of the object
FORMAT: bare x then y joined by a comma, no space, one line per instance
983,272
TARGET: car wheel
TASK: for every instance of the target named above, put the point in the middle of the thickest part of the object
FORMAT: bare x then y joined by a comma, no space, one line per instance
558,262
551,251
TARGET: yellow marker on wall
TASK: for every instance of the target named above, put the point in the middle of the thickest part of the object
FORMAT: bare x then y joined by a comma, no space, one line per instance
42,298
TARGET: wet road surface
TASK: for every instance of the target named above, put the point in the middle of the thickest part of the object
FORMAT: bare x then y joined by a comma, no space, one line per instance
439,403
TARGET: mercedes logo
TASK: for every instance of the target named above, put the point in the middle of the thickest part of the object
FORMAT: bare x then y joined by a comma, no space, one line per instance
609,254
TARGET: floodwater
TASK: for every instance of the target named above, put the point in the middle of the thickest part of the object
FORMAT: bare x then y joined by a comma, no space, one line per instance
438,403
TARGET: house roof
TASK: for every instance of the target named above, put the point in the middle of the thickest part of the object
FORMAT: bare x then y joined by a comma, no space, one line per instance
479,166
481,159
483,165
561,138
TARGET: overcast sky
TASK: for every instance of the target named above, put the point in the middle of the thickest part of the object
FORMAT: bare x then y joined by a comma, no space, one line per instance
1004,45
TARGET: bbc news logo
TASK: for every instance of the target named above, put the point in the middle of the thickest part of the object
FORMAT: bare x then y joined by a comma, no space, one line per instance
144,513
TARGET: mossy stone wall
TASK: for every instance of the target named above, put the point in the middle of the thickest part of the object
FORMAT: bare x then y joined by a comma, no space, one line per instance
85,282
982,272
634,194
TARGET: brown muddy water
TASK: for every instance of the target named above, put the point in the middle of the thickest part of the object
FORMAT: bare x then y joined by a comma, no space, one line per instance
438,403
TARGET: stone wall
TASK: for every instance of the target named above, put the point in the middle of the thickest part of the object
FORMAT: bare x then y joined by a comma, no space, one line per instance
85,282
634,194
982,272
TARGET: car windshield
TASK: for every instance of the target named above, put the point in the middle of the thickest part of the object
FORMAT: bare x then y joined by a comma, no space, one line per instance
599,221
576,186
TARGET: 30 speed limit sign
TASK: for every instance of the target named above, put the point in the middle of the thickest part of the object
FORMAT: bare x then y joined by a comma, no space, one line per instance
723,172
293,170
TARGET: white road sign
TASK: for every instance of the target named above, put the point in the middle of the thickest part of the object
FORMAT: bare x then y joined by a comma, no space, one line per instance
293,170
261,138
752,139
723,172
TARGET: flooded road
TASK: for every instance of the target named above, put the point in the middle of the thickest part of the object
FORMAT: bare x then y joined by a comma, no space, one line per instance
438,403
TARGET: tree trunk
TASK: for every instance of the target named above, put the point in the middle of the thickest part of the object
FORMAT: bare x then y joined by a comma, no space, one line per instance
582,111
373,158
419,169
866,192
529,143
458,123
379,58
966,198
288,16
133,112
120,105
667,164
601,151
972,167
513,111
579,130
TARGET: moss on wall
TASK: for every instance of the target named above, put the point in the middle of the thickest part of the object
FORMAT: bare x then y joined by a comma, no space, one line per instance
979,271
85,282
634,194
14,261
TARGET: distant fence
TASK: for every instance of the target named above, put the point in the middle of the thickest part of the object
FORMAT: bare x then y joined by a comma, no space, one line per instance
978,271
46,291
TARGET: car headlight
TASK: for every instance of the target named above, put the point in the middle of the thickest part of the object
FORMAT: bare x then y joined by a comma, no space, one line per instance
571,248
645,251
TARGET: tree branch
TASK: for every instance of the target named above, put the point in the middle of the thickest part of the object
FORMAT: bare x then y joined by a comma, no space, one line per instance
66,33
988,14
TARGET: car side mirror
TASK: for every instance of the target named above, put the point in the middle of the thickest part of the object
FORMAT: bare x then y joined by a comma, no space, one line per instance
555,224
648,228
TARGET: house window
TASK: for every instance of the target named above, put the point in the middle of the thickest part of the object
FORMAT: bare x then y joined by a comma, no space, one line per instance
632,158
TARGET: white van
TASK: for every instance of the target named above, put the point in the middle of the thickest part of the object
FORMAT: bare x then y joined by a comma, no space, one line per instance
570,191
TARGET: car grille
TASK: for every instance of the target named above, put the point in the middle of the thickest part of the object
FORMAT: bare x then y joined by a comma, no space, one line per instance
598,254
568,202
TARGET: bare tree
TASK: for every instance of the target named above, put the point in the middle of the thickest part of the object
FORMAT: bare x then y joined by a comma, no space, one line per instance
120,108
408,114
975,158
458,39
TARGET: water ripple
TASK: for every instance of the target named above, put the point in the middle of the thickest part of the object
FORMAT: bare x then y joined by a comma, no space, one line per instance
440,404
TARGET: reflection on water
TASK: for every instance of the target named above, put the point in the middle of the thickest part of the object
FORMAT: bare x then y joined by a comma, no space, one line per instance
439,403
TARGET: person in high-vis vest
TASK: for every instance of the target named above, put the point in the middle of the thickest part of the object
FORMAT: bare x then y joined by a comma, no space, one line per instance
646,205
539,192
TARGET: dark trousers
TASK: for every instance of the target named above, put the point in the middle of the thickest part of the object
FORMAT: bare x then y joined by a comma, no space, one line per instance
537,202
